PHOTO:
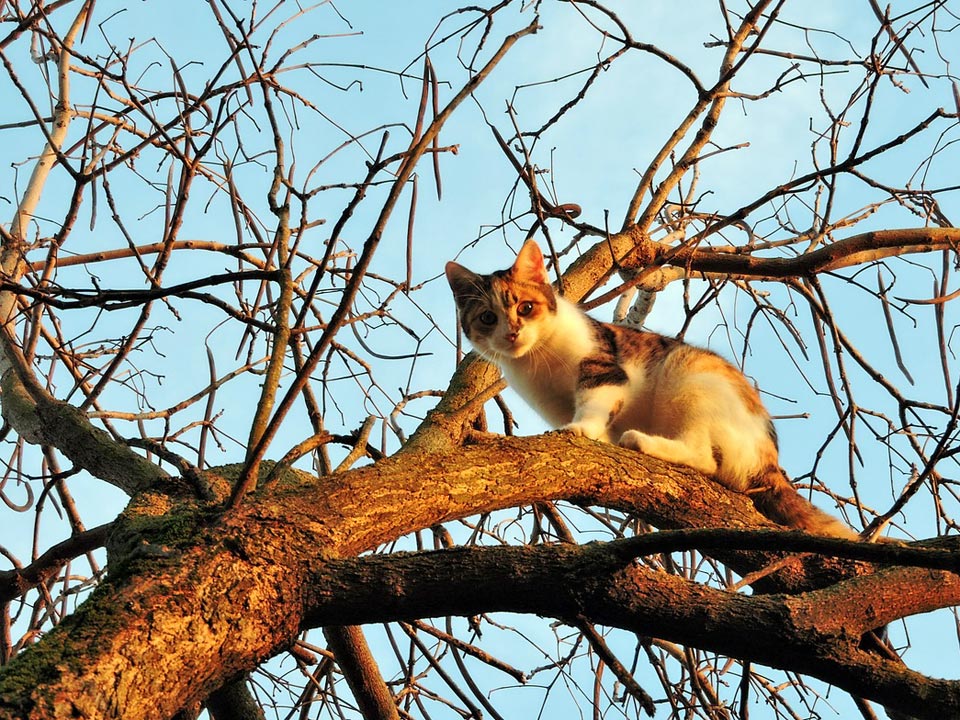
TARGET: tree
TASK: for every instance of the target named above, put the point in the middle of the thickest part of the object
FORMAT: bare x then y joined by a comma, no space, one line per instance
228,422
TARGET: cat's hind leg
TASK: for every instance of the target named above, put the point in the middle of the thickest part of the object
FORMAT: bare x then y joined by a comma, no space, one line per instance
693,450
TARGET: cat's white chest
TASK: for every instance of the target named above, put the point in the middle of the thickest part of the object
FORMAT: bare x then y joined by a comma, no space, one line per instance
546,378
549,388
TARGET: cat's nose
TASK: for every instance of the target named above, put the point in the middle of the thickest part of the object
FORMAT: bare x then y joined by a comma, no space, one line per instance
511,337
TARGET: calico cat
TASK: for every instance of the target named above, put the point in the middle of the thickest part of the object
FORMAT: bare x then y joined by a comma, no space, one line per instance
642,390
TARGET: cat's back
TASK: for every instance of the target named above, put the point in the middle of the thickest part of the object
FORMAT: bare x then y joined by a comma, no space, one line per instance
676,386
635,347
669,359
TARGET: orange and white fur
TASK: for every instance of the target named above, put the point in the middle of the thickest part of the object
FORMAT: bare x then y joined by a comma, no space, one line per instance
642,390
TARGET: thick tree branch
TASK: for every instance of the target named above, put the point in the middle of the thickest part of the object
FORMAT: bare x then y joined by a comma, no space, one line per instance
40,418
264,554
816,633
858,249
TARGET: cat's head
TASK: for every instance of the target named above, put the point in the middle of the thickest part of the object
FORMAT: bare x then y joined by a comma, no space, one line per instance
506,313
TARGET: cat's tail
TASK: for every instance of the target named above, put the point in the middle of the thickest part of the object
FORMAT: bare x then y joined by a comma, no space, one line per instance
778,499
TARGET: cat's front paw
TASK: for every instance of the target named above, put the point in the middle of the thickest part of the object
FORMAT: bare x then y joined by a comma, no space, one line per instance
635,440
581,428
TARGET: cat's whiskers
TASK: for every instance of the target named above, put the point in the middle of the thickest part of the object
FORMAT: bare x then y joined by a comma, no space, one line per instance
542,355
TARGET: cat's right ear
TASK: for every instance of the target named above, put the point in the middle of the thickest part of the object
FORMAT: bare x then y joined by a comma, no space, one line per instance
459,277
529,264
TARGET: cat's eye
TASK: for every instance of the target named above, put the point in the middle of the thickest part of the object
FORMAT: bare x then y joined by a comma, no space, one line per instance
488,318
524,308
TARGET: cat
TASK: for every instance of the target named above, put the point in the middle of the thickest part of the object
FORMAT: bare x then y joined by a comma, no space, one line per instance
639,389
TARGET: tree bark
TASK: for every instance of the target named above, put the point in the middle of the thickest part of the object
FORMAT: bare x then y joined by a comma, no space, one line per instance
360,669
234,702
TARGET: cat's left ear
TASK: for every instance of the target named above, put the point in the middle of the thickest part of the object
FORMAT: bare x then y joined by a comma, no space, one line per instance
459,277
529,264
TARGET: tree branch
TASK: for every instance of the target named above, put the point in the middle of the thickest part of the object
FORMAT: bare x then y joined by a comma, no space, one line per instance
267,554
816,633
634,249
360,669
13,583
234,702
40,418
